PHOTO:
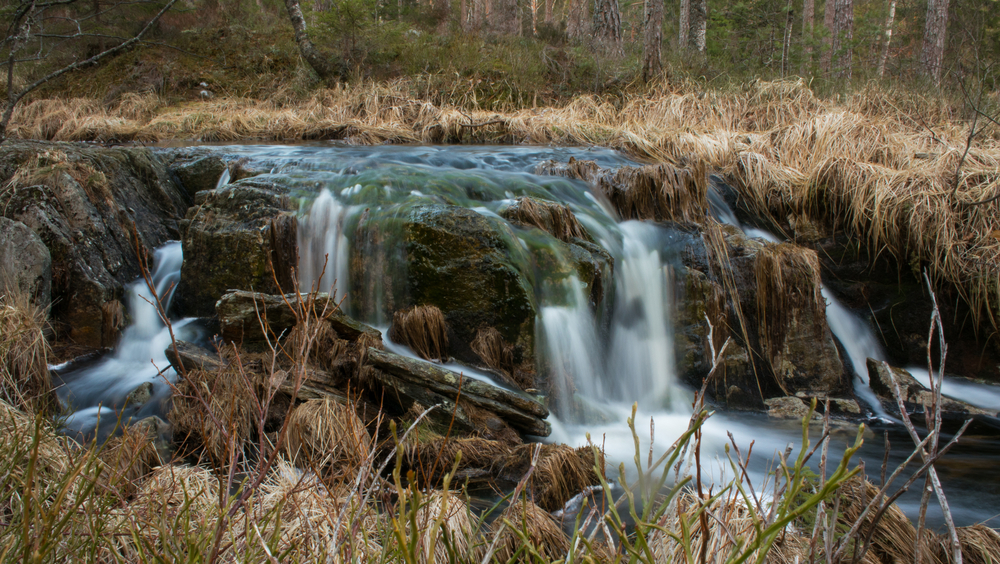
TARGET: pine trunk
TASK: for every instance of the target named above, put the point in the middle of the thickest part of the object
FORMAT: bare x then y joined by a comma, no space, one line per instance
578,19
699,25
808,16
935,30
548,11
607,21
684,25
829,8
843,34
888,38
652,26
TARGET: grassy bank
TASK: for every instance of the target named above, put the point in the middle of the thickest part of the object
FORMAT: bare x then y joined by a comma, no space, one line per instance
892,166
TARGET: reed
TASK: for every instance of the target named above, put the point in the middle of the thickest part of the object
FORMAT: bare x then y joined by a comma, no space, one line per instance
24,352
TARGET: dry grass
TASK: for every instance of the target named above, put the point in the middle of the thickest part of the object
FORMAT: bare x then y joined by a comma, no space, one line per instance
24,371
529,532
325,434
130,457
871,162
561,473
443,525
555,219
423,329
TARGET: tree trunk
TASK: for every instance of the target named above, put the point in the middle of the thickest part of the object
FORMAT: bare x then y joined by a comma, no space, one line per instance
786,42
829,8
607,21
318,62
699,25
652,39
534,17
935,30
505,18
548,10
888,38
808,16
843,34
684,25
578,20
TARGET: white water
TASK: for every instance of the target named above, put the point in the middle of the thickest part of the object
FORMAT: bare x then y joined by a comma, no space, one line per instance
96,393
982,396
323,252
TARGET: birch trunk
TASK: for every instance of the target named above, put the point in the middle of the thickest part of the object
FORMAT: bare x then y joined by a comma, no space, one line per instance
699,25
935,30
652,26
786,42
888,38
318,62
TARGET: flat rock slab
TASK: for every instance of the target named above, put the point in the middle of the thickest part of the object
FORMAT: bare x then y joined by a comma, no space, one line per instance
190,356
523,413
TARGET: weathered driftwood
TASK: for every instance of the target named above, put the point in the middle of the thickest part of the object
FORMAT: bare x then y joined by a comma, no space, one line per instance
241,313
447,416
523,413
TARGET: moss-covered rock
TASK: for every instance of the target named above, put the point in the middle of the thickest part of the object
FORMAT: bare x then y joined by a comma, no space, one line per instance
199,174
232,239
92,207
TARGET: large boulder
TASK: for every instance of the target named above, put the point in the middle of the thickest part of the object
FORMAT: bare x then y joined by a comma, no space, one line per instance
93,208
26,261
232,238
202,173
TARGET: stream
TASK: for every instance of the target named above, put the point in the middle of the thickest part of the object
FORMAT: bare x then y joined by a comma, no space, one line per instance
603,360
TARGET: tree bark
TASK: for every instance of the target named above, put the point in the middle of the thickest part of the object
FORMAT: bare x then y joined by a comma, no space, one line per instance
699,25
607,21
318,62
505,18
808,17
578,20
888,38
652,39
684,25
548,10
935,30
843,34
786,42
829,8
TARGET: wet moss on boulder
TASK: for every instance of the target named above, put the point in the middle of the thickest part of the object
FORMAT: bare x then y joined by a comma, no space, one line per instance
232,237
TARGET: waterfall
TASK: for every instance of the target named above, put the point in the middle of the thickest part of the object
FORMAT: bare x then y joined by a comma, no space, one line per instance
323,248
96,393
859,343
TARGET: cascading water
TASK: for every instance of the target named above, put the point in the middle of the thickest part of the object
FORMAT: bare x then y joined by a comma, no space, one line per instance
601,359
96,394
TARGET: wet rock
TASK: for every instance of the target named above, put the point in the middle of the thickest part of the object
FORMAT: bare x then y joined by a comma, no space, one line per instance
200,174
787,408
469,266
792,322
233,238
915,395
241,312
701,301
524,413
92,207
139,396
189,356
735,384
27,263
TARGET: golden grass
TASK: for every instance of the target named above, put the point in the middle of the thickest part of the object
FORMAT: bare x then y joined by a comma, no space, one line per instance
524,521
326,434
788,280
130,457
24,370
423,329
869,162
555,219
443,525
